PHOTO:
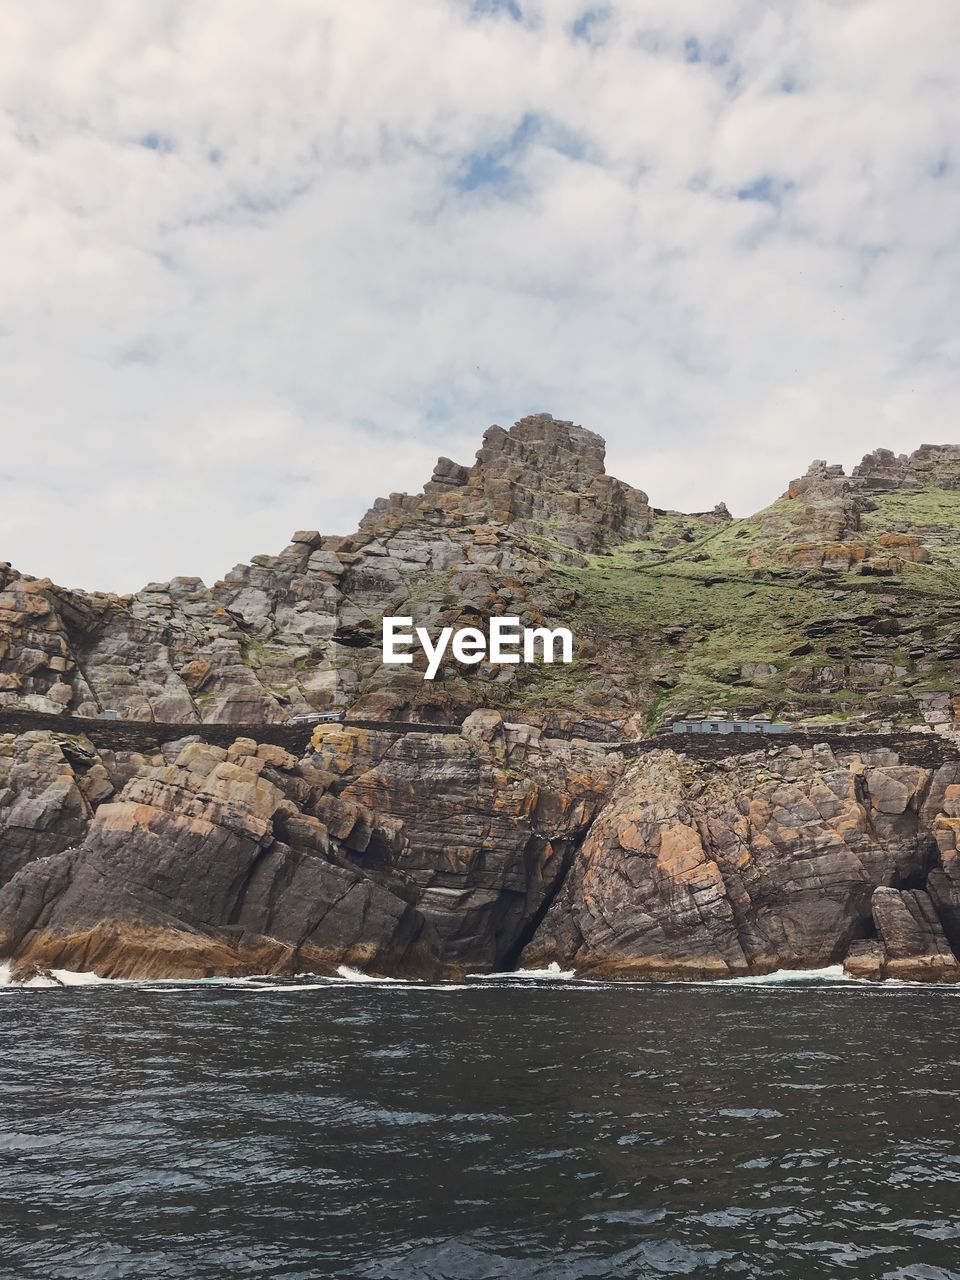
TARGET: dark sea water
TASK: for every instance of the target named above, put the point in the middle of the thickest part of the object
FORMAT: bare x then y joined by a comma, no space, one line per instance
525,1129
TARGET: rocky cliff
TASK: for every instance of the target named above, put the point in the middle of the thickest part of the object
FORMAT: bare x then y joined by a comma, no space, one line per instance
838,601
528,836
780,859
435,855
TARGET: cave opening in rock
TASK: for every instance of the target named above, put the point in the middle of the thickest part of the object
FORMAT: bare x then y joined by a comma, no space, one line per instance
916,879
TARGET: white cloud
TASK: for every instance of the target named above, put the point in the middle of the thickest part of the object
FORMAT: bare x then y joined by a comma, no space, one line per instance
263,263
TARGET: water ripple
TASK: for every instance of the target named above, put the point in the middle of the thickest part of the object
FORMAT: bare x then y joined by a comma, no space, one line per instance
532,1130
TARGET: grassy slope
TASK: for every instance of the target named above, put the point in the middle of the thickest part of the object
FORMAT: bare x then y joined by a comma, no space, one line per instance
672,628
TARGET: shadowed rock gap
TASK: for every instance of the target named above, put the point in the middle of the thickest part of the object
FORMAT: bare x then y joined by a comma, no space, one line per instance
511,957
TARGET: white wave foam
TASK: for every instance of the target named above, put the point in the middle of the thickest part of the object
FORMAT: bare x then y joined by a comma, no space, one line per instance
811,979
287,986
552,973
64,978
355,975
831,973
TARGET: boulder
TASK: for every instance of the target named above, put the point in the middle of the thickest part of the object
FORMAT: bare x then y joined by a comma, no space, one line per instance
914,945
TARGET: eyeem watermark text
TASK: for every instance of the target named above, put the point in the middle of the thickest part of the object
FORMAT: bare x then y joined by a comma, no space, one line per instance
507,642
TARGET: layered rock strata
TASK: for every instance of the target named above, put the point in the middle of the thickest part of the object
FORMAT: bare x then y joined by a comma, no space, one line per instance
433,856
414,856
763,861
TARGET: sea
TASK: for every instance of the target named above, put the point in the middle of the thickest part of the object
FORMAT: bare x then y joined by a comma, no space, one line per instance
533,1126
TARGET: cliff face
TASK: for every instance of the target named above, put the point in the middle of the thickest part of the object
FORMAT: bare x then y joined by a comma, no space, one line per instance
838,600
429,855
769,860
422,855
521,836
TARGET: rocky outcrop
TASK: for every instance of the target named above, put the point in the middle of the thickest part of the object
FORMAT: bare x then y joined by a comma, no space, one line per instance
910,945
208,865
36,666
760,862
824,505
300,630
50,787
666,608
419,857
933,465
542,476
486,823
912,938
435,855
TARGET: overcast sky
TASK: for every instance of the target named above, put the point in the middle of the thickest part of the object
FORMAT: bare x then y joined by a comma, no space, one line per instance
262,262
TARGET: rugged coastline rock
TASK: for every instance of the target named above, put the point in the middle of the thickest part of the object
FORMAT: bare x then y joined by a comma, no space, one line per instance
516,830
911,945
417,856
434,855
767,860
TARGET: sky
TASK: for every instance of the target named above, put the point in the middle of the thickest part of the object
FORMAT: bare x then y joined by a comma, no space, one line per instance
262,263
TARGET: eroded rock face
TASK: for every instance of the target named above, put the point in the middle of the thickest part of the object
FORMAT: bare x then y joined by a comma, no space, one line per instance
943,883
413,857
541,476
761,862
291,632
435,855
50,787
188,872
824,505
912,937
481,827
931,464
37,670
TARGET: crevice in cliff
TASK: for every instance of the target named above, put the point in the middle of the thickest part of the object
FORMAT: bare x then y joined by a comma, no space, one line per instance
572,847
916,879
865,929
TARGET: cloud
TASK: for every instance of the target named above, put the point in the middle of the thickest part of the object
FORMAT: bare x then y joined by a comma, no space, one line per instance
264,263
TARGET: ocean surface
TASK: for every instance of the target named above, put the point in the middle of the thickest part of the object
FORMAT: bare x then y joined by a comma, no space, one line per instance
524,1128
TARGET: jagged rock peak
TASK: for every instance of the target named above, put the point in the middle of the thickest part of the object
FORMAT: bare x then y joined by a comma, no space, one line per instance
935,466
819,475
542,476
827,509
932,465
569,454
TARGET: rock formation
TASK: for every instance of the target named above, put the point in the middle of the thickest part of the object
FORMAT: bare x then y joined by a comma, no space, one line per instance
767,860
287,633
435,855
416,855
910,946
931,465
515,831
535,528
541,477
